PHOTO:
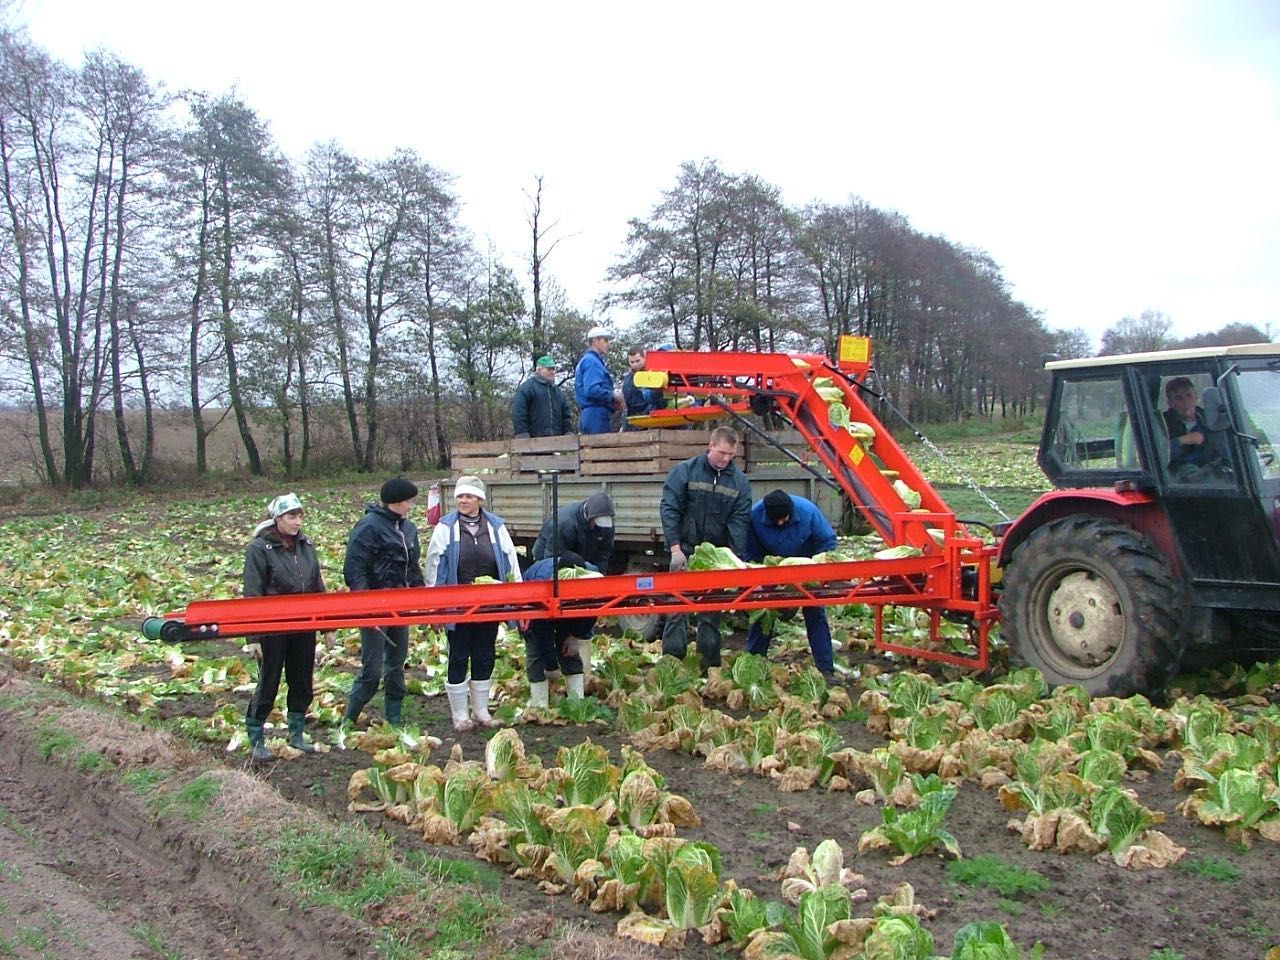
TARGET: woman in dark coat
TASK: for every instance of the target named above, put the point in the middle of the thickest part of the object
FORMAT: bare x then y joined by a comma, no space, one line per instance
281,560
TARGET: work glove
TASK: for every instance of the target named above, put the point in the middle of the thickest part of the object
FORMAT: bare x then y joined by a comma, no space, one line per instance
569,647
679,562
254,650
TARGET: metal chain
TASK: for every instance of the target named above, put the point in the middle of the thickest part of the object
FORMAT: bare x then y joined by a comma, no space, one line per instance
969,482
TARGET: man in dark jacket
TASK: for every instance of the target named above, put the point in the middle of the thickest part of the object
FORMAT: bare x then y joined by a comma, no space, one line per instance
638,400
706,499
1194,451
383,553
585,528
552,647
787,526
539,408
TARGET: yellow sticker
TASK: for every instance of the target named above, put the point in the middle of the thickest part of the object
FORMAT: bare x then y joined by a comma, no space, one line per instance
854,349
856,454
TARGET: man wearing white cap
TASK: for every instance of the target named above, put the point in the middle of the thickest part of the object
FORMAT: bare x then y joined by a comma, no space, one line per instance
593,385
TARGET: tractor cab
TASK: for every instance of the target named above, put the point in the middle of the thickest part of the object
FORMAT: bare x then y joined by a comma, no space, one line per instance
1196,430
1164,526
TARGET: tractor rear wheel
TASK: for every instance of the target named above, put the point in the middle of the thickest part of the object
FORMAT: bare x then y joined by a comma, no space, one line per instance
1090,601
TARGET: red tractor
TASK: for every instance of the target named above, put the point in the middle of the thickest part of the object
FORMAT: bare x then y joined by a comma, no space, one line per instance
1162,537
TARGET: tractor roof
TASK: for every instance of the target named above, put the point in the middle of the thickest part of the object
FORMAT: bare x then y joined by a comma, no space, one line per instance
1161,356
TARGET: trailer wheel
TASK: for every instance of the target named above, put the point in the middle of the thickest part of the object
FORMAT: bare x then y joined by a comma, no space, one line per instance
1090,601
646,625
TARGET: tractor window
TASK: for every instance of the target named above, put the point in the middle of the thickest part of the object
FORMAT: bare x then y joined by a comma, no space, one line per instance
1260,392
1092,430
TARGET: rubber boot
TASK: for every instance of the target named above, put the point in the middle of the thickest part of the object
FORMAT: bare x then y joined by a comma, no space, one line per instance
539,697
480,703
352,712
552,677
297,722
258,751
392,710
457,693
574,684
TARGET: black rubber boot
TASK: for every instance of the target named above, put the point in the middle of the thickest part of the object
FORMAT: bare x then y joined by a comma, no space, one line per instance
297,722
258,751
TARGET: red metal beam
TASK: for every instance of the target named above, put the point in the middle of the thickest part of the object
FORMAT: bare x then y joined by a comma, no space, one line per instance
924,581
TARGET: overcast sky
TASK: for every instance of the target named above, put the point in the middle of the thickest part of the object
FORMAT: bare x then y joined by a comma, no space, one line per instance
1112,157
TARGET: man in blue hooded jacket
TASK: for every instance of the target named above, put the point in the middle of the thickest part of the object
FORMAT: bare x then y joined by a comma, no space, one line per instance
788,526
593,385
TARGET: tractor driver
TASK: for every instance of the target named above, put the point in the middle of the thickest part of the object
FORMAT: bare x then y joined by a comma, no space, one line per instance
1192,446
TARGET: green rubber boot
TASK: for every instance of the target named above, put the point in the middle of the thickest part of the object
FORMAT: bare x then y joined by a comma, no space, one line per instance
258,751
297,721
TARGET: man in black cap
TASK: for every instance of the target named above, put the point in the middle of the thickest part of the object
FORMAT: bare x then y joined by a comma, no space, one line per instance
383,553
783,525
586,528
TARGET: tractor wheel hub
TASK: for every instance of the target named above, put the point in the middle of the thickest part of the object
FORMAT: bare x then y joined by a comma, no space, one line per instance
1085,619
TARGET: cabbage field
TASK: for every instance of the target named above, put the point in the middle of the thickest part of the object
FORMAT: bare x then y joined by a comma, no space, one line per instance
905,811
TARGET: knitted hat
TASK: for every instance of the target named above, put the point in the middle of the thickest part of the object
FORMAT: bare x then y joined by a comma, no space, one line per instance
469,484
398,490
777,506
599,507
547,361
283,504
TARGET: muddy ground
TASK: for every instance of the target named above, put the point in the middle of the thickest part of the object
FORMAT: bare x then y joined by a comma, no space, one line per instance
88,871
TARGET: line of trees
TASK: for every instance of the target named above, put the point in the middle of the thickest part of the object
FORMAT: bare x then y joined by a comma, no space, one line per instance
160,252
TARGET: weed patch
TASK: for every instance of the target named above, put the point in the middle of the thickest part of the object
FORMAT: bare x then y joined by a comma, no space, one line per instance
1212,868
993,873
190,802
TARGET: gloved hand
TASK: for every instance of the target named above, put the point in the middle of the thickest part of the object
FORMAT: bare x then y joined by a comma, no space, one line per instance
328,636
679,562
569,647
523,626
254,650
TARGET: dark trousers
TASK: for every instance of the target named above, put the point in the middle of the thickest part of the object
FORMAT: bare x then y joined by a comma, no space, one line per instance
542,646
472,645
382,654
815,625
675,637
294,655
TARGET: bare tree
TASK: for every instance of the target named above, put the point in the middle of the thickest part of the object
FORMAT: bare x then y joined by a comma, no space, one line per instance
1142,334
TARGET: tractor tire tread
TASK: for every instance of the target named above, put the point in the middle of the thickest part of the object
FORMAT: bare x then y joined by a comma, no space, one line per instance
1149,652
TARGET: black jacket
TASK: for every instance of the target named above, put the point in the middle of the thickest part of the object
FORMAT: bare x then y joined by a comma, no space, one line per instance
703,505
271,570
539,409
593,544
382,552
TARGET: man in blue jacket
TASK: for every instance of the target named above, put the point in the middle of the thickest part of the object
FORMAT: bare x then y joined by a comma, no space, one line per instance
593,385
787,526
